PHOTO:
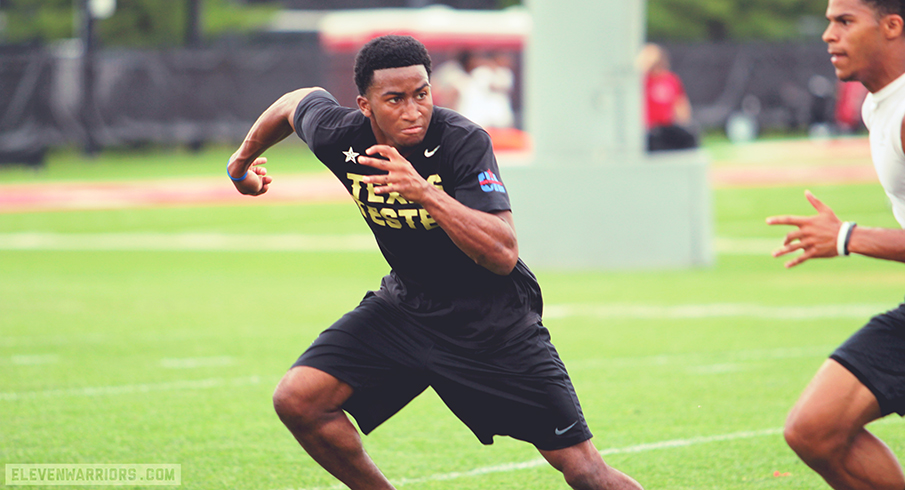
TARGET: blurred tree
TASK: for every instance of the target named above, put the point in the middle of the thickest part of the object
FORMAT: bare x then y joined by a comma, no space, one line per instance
136,23
38,20
163,22
144,23
718,20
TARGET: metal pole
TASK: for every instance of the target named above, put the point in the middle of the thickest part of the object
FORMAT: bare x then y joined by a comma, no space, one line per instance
193,24
91,145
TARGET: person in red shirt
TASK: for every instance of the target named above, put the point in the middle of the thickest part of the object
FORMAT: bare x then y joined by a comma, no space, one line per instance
667,108
849,98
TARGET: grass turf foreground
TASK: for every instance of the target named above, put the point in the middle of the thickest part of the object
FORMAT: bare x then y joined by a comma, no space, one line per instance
120,351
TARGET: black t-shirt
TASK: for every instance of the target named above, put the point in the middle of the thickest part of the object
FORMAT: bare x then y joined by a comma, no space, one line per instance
431,279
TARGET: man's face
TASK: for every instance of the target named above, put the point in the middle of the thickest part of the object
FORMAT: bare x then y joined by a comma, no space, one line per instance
854,40
400,105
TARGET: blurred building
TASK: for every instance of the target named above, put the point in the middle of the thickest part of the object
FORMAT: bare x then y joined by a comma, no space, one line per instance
189,95
367,4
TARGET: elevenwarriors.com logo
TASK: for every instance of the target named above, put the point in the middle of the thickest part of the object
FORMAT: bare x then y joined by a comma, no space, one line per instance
93,474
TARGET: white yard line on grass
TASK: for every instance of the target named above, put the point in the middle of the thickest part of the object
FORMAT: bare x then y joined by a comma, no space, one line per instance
558,311
534,463
196,362
700,363
269,242
134,388
637,448
714,310
183,242
747,246
30,359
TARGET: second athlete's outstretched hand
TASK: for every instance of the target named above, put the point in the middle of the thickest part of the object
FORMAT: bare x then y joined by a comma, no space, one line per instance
815,236
401,177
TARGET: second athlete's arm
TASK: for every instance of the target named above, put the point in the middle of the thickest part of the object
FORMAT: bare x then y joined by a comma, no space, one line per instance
880,243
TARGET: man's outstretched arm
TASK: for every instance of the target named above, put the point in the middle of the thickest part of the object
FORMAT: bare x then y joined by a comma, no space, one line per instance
880,243
272,126
818,236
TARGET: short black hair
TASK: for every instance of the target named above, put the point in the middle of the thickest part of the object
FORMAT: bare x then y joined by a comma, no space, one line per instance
887,7
389,51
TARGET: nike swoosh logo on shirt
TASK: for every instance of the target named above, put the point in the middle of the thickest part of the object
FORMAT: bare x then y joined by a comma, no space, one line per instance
430,153
560,432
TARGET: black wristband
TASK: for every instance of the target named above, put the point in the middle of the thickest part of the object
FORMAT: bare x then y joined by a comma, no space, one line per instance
848,237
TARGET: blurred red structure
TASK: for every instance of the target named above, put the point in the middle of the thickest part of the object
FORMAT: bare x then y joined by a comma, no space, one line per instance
444,31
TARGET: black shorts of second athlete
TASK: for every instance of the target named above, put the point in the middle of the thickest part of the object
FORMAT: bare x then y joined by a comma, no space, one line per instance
519,389
876,356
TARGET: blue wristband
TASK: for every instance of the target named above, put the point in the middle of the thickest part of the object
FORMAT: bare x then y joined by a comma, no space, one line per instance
240,179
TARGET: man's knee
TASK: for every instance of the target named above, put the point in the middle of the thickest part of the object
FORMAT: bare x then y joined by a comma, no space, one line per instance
290,402
816,443
305,395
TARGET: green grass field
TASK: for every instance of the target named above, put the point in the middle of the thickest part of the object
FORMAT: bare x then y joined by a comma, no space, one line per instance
145,355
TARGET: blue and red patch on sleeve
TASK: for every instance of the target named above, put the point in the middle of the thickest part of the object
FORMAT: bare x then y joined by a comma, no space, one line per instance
490,183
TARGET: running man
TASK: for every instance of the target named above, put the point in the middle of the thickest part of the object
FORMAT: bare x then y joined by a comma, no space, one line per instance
459,311
864,379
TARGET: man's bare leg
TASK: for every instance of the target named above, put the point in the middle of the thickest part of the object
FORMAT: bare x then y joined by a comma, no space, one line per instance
826,429
584,469
309,402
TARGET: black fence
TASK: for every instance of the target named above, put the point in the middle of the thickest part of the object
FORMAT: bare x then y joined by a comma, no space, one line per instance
169,97
26,115
778,84
209,95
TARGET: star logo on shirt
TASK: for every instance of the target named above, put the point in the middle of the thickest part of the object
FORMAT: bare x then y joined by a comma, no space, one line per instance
351,156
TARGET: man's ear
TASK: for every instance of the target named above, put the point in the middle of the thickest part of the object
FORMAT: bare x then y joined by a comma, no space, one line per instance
893,26
363,105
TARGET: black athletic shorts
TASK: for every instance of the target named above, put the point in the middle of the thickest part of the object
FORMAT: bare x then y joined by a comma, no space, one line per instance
519,389
876,356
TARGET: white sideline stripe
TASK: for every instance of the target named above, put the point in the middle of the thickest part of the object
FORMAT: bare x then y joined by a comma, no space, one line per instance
747,246
699,363
186,242
716,310
712,369
735,436
196,362
266,242
34,360
198,384
534,463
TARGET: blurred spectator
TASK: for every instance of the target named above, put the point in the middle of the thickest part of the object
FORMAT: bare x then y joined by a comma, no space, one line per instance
667,108
494,81
449,79
484,98
849,97
480,87
477,86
